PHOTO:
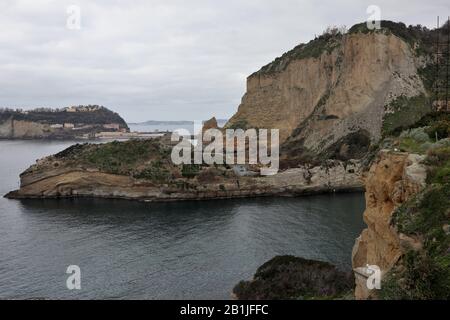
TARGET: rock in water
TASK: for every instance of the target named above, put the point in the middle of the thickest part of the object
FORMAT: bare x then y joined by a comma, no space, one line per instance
288,277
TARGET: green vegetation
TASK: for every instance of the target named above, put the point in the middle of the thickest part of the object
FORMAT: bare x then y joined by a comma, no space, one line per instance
288,277
120,157
429,120
155,171
143,159
438,160
415,36
425,273
327,42
423,278
190,170
430,137
239,124
415,141
428,76
439,130
404,112
97,115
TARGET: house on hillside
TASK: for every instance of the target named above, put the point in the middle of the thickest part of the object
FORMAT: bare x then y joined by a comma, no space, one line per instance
114,126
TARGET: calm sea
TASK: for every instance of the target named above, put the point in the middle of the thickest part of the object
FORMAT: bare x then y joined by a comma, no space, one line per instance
132,250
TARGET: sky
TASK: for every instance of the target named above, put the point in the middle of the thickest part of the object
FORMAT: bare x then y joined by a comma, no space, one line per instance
163,59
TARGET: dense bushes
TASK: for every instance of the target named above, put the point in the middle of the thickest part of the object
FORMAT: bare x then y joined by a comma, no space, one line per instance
288,277
425,273
439,130
418,34
404,112
154,171
190,170
439,164
119,157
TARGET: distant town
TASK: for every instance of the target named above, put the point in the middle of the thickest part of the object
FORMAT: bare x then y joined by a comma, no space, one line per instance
84,122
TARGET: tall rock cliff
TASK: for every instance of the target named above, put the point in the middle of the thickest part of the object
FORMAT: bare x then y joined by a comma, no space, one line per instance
391,181
408,216
332,96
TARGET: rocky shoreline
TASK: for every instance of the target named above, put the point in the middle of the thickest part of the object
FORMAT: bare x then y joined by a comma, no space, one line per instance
70,182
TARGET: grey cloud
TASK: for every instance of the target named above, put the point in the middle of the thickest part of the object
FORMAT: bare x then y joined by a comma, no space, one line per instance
162,59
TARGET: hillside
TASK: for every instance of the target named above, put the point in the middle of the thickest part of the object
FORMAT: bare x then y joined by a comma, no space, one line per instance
407,215
339,94
58,123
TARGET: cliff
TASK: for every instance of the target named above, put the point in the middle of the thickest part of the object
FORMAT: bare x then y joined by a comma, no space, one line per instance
338,94
407,216
392,180
67,123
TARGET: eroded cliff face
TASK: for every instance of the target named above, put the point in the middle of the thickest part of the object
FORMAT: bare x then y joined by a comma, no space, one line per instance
52,177
392,179
318,101
17,129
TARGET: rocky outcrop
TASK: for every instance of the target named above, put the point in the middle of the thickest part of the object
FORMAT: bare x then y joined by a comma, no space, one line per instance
210,124
143,170
392,180
17,129
288,277
322,93
53,178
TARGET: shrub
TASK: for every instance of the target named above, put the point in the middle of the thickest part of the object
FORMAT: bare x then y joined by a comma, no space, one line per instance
190,170
288,277
239,124
403,112
120,157
438,160
154,172
415,140
423,278
423,274
439,130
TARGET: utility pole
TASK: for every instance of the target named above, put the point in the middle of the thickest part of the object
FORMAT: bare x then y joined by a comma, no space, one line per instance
447,61
436,84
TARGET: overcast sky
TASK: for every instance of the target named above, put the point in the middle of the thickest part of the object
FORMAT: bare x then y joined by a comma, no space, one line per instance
163,60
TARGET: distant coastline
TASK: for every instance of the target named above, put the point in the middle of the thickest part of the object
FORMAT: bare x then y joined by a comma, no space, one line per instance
75,122
169,122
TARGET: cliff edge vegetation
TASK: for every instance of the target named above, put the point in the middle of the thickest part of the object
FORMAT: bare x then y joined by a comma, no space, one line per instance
407,214
65,123
338,95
